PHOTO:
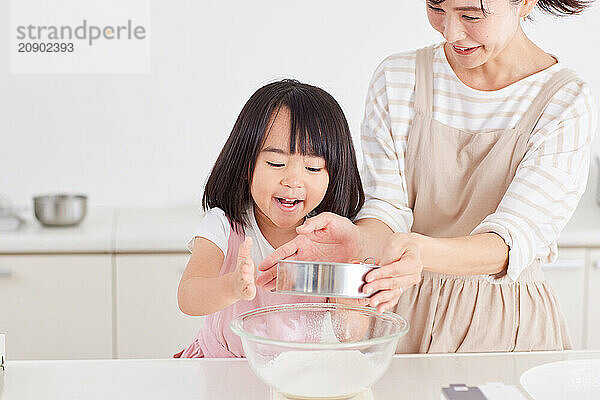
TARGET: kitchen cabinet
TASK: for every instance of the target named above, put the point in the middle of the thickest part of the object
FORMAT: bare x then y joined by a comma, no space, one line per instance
593,304
149,322
567,278
56,306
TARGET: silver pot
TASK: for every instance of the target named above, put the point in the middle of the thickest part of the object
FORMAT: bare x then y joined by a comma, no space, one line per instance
60,209
323,279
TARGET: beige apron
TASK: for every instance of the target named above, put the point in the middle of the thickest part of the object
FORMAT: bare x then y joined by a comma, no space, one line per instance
454,180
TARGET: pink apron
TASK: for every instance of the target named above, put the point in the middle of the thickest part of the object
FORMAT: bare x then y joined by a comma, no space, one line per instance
215,339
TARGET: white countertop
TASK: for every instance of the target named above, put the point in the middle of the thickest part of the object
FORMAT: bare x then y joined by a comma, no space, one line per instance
155,230
159,230
166,230
418,377
93,235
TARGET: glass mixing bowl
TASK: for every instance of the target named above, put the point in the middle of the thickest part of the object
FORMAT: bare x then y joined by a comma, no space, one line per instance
322,350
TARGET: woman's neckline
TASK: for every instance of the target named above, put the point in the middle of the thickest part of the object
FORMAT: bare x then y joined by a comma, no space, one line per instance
521,81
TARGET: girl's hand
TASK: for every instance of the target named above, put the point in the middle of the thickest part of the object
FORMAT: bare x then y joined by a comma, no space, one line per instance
243,276
400,268
325,237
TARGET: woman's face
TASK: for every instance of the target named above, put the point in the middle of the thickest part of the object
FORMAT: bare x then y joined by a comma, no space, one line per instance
474,36
286,187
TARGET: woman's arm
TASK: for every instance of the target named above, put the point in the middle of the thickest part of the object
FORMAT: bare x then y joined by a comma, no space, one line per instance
202,291
548,183
373,235
485,253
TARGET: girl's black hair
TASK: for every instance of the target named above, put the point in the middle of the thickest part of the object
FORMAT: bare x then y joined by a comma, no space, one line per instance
318,127
558,8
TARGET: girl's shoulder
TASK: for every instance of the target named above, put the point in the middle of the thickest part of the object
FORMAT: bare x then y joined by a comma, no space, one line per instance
215,215
215,227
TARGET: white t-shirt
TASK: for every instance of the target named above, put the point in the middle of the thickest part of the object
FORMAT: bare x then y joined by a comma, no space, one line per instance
215,227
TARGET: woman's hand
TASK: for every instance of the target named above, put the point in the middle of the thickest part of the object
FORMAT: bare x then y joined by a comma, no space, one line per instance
243,276
325,237
400,268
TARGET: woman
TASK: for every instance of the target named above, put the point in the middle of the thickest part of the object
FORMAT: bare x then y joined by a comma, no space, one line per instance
476,153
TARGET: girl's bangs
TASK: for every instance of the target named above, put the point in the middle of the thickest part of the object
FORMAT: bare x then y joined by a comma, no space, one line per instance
307,132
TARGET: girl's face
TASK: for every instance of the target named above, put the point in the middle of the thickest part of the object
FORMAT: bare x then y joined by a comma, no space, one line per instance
286,187
473,37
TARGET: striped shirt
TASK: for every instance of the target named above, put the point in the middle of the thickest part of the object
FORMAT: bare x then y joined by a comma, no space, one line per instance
548,182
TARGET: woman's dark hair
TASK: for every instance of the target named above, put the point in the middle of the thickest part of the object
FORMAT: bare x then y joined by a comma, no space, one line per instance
318,127
561,8
558,8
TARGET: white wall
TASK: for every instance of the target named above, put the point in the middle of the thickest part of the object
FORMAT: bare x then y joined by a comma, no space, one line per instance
150,140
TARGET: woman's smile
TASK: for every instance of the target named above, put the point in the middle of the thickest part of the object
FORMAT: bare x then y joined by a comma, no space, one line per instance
464,51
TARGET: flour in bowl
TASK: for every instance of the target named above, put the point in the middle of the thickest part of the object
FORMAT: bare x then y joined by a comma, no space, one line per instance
323,373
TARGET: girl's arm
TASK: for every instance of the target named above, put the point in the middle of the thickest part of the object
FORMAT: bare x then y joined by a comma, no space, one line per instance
202,291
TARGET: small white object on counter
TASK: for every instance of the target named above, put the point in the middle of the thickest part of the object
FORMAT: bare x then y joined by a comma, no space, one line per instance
573,379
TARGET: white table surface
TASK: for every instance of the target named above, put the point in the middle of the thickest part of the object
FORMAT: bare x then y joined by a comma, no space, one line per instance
418,377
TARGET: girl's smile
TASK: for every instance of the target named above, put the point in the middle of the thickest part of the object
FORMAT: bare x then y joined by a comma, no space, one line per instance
287,204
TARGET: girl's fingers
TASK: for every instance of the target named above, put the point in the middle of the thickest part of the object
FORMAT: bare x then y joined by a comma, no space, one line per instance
248,269
248,279
244,251
249,291
246,285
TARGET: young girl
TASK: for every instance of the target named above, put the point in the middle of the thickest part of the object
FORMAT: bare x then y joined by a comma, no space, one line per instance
289,155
